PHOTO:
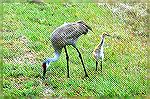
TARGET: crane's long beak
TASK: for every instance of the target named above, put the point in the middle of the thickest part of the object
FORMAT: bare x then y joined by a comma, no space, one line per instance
44,70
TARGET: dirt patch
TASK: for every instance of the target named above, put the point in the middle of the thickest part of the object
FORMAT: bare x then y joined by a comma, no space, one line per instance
23,40
18,83
27,56
47,91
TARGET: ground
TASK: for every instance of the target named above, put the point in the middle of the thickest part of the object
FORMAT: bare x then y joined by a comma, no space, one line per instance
26,31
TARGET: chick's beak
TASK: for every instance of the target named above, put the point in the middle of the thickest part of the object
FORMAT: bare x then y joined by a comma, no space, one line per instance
108,35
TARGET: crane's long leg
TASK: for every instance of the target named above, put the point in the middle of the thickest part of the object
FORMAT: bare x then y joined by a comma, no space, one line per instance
86,75
67,58
96,65
101,65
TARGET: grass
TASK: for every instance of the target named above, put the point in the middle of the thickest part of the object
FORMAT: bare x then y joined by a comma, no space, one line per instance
26,32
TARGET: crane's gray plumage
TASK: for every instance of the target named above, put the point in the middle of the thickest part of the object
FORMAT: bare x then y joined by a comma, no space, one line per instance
36,1
66,34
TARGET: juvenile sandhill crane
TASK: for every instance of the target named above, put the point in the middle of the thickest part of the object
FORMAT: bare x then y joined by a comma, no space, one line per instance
98,52
66,34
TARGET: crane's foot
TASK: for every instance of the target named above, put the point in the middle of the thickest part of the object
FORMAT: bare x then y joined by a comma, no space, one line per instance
86,76
43,77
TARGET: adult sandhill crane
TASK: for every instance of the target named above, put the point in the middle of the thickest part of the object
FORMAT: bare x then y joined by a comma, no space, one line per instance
98,52
66,34
36,1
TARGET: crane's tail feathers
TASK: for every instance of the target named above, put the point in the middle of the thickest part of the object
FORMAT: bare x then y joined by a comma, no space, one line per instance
82,22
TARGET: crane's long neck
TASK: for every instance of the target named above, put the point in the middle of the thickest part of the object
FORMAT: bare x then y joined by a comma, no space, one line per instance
55,58
101,44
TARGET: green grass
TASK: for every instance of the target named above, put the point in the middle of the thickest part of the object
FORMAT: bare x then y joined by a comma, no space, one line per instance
26,32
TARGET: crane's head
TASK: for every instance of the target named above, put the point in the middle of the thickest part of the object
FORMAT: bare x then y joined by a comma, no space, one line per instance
46,63
45,66
105,34
82,22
